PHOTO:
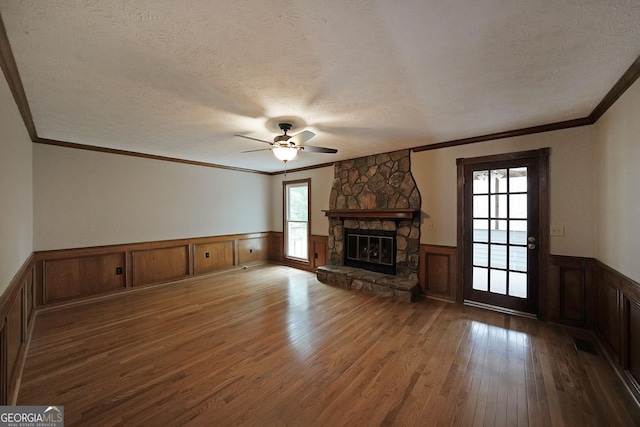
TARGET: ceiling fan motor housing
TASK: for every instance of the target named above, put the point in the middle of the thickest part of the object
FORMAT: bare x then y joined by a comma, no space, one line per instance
285,127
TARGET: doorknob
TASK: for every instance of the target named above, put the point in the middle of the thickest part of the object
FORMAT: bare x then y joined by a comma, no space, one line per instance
531,245
531,239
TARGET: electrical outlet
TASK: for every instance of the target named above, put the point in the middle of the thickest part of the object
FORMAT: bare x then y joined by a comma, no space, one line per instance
206,255
118,271
557,230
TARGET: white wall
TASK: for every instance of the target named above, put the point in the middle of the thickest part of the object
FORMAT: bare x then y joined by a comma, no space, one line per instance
618,184
86,198
16,189
321,181
572,194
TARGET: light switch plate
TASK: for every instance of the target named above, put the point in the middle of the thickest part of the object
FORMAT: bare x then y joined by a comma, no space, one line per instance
557,230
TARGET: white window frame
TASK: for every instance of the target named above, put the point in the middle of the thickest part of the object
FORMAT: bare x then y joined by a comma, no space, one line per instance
285,217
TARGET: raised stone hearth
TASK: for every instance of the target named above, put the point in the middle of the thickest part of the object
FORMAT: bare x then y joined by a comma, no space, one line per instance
384,285
375,193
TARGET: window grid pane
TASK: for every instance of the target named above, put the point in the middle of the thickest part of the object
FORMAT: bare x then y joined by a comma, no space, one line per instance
297,203
297,239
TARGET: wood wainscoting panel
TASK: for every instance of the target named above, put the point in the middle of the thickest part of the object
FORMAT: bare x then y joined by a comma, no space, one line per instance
69,278
609,308
30,296
438,271
631,342
71,274
276,246
13,326
160,265
4,382
319,250
214,256
572,294
253,250
16,305
608,316
619,323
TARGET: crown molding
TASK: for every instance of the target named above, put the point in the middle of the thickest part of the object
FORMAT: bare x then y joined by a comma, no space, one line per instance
507,134
142,155
628,78
306,168
11,74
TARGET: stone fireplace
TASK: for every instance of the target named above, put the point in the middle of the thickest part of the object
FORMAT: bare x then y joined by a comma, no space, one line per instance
375,196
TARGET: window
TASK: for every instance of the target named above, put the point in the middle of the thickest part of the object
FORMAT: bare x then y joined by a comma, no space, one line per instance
296,219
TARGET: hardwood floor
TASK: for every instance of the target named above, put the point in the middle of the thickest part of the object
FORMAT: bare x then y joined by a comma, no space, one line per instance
273,346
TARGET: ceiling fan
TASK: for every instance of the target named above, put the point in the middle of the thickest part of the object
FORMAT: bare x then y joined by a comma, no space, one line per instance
285,147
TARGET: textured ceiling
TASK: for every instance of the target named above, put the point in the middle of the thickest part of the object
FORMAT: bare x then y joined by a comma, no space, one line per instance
178,79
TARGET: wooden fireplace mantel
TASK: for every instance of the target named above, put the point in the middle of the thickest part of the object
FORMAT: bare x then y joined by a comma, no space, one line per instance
371,213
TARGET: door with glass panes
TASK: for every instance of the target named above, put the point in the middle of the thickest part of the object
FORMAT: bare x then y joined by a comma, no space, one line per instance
501,234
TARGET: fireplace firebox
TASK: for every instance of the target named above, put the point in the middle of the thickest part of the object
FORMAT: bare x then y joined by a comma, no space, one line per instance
373,250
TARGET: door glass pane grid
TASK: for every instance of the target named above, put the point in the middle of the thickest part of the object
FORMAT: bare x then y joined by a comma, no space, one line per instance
480,279
518,232
481,230
518,180
499,231
494,204
480,182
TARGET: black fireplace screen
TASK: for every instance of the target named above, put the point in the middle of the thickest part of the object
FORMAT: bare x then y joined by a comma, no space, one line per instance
371,249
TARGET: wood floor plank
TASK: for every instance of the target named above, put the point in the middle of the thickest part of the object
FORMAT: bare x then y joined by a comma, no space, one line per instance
272,346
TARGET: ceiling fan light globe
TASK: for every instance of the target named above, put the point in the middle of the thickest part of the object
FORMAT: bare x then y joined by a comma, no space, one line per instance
285,154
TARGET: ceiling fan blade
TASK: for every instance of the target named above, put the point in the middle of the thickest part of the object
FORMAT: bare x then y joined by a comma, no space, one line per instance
312,149
255,139
251,151
302,137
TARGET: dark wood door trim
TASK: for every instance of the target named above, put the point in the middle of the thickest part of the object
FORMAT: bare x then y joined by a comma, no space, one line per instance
543,195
